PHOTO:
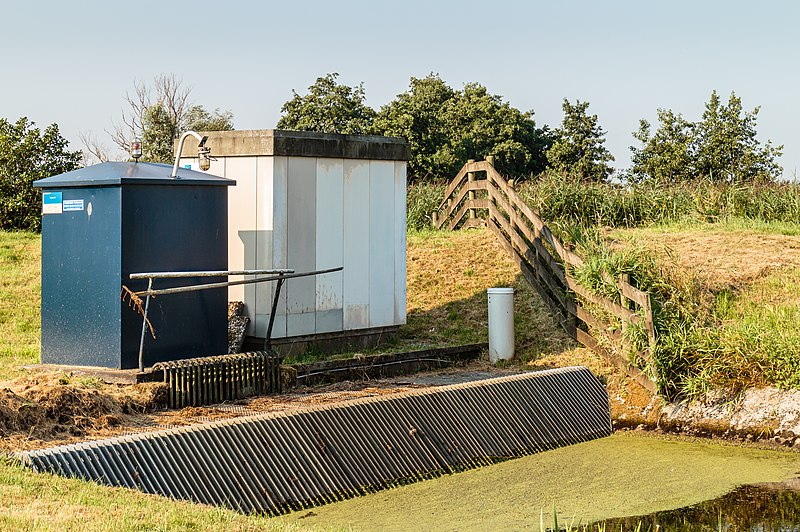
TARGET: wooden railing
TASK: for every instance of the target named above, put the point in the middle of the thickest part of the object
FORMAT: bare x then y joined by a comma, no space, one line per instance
546,263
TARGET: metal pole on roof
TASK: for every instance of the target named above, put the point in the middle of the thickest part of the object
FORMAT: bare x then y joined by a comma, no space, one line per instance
202,152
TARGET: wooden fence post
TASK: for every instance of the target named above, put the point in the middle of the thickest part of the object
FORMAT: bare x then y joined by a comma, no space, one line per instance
649,324
626,303
471,193
435,219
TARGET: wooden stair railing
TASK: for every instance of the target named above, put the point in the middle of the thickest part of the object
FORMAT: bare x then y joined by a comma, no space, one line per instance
546,263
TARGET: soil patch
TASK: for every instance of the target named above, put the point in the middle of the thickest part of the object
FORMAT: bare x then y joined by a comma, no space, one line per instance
45,409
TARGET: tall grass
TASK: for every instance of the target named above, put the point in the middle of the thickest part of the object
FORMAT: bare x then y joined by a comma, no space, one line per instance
566,202
569,202
422,199
676,303
707,338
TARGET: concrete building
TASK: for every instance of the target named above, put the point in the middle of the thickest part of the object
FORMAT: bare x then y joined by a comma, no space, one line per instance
310,201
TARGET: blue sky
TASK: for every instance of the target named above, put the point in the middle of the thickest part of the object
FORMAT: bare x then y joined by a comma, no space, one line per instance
72,62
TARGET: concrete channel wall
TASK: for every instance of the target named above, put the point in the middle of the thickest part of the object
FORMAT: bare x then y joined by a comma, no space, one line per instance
274,463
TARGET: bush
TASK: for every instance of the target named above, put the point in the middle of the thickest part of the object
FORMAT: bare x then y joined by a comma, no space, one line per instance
421,200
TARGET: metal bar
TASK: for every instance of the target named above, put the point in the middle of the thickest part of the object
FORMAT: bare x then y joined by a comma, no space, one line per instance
144,326
268,336
207,286
219,273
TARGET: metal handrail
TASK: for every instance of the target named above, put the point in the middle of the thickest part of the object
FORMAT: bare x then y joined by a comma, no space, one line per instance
281,276
218,273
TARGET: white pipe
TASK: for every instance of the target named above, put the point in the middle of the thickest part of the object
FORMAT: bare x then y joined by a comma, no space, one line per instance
501,324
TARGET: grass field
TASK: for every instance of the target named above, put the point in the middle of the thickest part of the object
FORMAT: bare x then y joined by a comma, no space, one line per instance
448,274
20,293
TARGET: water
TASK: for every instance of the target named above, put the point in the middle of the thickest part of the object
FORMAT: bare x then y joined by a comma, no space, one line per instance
747,508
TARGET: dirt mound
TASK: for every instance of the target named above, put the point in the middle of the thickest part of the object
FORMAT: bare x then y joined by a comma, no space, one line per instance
54,406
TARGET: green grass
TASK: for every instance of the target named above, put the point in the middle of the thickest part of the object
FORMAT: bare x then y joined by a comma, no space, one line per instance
34,501
725,332
422,199
757,326
20,295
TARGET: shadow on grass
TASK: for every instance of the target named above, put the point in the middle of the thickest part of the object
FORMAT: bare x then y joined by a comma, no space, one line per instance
465,321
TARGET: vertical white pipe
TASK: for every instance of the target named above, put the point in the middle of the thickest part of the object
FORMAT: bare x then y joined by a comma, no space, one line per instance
501,324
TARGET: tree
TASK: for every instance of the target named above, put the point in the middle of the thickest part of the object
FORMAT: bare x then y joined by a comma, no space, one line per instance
416,115
28,154
445,128
328,107
158,114
721,147
578,149
480,124
666,156
198,119
727,148
159,131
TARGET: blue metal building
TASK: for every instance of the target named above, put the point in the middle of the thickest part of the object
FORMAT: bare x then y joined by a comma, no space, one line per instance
106,221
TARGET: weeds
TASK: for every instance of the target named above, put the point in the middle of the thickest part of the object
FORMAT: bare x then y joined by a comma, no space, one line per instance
135,302
707,336
421,200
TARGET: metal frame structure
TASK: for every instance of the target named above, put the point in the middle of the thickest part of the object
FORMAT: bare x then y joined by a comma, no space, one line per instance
280,276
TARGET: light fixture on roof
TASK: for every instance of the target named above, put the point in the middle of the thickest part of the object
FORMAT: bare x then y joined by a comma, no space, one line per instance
203,152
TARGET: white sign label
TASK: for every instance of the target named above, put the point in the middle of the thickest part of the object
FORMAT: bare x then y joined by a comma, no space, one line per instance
73,205
51,203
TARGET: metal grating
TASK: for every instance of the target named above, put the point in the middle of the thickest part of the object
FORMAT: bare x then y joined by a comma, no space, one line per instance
209,380
274,463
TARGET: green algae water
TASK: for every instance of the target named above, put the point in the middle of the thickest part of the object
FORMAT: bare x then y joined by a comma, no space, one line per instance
625,475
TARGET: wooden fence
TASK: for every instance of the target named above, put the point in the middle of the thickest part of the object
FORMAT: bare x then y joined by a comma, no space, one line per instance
546,263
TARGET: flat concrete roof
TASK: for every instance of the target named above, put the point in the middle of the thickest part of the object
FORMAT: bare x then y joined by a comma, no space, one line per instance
278,142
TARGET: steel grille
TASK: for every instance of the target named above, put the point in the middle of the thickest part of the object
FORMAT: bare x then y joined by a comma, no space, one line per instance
209,380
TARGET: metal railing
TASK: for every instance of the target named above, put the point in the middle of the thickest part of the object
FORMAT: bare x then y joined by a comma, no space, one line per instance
278,275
